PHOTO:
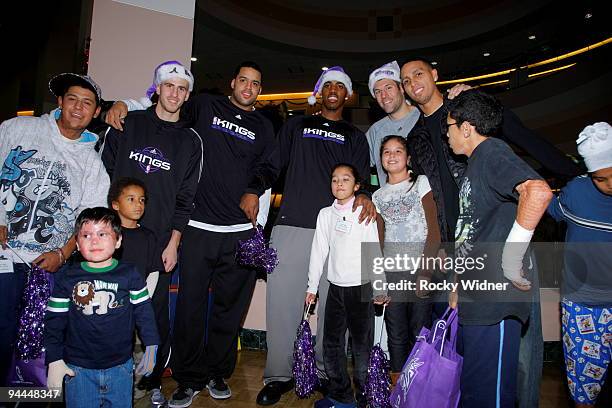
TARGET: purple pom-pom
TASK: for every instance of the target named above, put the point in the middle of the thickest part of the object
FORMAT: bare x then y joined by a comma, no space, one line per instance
32,319
256,253
304,363
378,381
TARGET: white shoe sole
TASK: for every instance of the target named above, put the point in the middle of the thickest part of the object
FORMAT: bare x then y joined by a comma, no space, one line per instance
217,396
171,405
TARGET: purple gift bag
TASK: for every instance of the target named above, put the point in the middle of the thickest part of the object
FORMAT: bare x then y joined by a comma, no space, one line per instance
30,373
28,367
431,376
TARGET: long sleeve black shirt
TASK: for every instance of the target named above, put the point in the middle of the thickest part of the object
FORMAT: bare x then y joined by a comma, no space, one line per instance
309,147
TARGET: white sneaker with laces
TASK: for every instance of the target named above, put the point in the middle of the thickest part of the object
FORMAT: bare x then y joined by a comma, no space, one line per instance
157,398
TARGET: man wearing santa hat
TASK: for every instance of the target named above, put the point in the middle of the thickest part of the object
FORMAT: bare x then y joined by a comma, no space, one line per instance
309,147
385,86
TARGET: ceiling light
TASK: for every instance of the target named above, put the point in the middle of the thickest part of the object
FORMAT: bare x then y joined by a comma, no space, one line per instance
324,68
532,37
588,15
193,59
486,54
434,63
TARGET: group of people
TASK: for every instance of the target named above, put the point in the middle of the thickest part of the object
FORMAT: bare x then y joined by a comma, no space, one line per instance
181,178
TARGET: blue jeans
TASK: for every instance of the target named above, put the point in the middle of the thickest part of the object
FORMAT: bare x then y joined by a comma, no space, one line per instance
531,359
531,354
91,388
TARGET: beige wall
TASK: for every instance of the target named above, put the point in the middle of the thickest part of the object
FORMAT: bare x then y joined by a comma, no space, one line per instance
551,314
256,317
128,42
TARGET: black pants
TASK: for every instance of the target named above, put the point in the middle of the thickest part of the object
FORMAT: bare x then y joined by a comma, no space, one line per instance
352,308
490,364
404,318
207,260
160,300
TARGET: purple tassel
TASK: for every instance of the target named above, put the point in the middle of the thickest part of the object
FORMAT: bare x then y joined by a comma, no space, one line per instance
32,320
378,381
151,90
256,253
304,363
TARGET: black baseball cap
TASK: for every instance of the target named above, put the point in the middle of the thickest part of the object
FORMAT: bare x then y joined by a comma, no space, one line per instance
59,84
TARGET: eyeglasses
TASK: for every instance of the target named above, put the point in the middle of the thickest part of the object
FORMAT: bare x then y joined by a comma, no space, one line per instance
446,125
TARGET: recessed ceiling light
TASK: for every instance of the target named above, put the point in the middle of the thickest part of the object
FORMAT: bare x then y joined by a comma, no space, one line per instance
434,63
193,59
324,68
588,15
532,37
486,54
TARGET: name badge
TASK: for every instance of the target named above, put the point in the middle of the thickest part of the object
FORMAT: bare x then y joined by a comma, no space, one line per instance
6,262
344,226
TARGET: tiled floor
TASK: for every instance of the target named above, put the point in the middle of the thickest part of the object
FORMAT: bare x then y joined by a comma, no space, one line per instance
246,383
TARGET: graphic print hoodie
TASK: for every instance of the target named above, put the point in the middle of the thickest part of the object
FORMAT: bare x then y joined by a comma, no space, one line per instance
46,181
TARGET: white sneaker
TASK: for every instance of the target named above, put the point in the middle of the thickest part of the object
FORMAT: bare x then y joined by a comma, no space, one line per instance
218,388
182,397
157,398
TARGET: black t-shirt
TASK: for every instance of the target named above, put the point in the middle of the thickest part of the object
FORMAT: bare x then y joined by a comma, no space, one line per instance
238,146
309,147
488,206
450,191
139,246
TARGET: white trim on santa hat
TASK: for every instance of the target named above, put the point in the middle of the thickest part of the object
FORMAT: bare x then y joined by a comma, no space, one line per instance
331,74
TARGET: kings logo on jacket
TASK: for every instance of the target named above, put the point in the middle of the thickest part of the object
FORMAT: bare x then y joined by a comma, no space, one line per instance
150,159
